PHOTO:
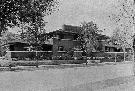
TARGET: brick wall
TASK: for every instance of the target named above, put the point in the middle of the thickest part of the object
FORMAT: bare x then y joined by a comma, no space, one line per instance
66,43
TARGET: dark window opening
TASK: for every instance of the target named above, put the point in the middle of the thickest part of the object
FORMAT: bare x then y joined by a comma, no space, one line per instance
60,48
11,47
75,37
61,36
47,47
106,49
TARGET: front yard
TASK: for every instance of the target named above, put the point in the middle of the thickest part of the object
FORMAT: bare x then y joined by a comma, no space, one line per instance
66,78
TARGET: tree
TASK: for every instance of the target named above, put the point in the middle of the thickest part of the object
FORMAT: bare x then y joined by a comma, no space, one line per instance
121,39
90,33
25,12
124,18
18,12
27,15
35,29
9,37
34,35
5,39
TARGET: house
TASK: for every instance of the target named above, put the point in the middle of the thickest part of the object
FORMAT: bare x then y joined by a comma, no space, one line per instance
14,46
12,42
109,46
65,40
58,43
61,42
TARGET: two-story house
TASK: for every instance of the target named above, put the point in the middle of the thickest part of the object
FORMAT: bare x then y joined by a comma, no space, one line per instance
65,40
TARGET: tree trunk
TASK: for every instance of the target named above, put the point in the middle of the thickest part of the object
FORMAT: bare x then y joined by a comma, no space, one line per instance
115,57
133,54
36,60
124,54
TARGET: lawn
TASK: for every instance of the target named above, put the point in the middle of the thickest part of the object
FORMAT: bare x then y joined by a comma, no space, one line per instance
74,78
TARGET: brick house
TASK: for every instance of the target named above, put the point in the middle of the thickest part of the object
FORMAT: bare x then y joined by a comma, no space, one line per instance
66,39
63,41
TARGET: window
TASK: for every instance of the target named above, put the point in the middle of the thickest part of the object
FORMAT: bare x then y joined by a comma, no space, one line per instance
75,37
61,36
60,48
106,49
11,47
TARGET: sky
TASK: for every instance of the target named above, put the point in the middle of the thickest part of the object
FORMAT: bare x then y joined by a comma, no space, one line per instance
74,12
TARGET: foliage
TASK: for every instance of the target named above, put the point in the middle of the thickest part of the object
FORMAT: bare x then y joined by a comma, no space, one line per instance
15,12
90,33
33,35
121,38
124,18
8,37
35,32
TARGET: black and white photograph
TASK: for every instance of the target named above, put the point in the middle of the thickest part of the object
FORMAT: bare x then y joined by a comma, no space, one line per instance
67,45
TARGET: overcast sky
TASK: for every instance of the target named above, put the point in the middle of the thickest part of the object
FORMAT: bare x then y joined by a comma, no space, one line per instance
73,12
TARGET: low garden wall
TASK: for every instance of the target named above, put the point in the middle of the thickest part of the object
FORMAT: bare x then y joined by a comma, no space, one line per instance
42,55
111,56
